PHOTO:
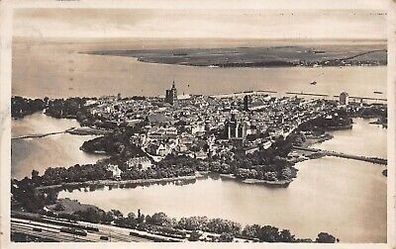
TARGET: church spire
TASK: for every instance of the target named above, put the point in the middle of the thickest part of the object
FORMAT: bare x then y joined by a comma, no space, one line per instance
171,94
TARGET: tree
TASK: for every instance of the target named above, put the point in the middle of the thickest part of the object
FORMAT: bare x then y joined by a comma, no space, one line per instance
286,236
59,207
160,219
251,230
116,214
325,238
107,217
93,215
139,213
35,174
269,234
193,223
129,221
194,236
226,237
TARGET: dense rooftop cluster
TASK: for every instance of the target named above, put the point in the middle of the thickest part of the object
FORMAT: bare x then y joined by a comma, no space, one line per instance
200,125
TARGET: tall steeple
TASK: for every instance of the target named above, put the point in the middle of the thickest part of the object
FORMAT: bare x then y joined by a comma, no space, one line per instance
171,94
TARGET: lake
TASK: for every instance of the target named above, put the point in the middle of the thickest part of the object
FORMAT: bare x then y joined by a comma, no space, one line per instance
51,151
344,197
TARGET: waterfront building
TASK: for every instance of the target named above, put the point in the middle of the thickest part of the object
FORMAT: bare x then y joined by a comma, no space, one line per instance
344,98
171,95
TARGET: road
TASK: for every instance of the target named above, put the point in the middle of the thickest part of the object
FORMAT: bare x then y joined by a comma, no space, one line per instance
364,53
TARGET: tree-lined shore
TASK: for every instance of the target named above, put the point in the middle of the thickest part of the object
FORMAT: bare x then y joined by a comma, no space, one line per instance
270,166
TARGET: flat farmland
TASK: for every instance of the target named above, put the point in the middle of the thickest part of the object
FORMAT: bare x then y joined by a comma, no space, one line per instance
276,56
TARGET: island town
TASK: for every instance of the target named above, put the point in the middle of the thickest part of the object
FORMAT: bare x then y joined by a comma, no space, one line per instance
251,137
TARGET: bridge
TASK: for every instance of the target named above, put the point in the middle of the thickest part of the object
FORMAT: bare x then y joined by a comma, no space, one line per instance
375,160
40,135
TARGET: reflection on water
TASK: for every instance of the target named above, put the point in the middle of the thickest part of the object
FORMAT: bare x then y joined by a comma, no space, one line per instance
52,151
106,186
344,197
346,200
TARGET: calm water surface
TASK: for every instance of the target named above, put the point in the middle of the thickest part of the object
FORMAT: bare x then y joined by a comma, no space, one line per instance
363,139
344,197
52,151
59,70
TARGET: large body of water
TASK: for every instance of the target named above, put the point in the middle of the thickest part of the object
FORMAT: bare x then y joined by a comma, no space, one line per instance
344,197
51,151
59,70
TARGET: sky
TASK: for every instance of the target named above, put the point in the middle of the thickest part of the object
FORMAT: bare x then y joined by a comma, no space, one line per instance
193,22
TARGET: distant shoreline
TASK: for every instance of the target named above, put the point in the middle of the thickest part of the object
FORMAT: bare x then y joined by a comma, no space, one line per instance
250,59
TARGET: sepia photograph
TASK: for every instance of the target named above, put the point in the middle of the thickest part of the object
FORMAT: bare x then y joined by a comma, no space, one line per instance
199,124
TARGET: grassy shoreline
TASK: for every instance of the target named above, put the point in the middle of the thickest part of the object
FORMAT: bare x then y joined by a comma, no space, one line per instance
198,175
109,182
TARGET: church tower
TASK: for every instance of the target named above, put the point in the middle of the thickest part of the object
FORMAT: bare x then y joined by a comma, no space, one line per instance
171,94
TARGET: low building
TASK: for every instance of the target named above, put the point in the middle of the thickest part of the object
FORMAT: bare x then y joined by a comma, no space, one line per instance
162,133
162,150
251,150
137,162
115,170
201,155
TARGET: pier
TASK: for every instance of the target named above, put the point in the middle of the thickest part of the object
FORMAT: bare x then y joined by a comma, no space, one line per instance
307,94
366,98
375,160
241,94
